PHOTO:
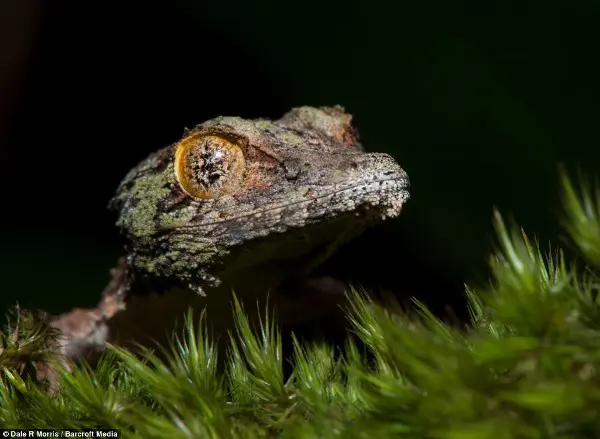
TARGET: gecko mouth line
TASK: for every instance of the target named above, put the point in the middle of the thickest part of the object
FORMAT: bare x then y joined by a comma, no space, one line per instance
401,188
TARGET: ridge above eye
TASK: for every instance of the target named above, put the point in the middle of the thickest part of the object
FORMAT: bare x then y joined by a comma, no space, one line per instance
208,166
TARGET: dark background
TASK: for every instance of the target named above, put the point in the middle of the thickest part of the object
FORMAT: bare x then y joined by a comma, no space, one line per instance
479,101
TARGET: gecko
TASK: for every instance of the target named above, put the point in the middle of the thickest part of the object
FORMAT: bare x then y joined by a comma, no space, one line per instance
250,207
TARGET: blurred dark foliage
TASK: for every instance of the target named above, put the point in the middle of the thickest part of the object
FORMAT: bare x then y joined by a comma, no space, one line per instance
479,101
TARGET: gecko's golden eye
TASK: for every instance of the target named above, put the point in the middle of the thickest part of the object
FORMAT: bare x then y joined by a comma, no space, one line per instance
209,166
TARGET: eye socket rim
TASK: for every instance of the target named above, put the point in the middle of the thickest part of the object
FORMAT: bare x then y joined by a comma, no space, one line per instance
182,172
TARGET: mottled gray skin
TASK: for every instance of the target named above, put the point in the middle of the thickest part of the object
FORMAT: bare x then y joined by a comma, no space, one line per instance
308,187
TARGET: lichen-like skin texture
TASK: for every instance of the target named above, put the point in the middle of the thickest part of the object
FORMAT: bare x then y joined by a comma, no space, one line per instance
307,187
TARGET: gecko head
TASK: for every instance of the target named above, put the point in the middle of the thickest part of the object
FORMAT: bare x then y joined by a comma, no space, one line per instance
235,195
